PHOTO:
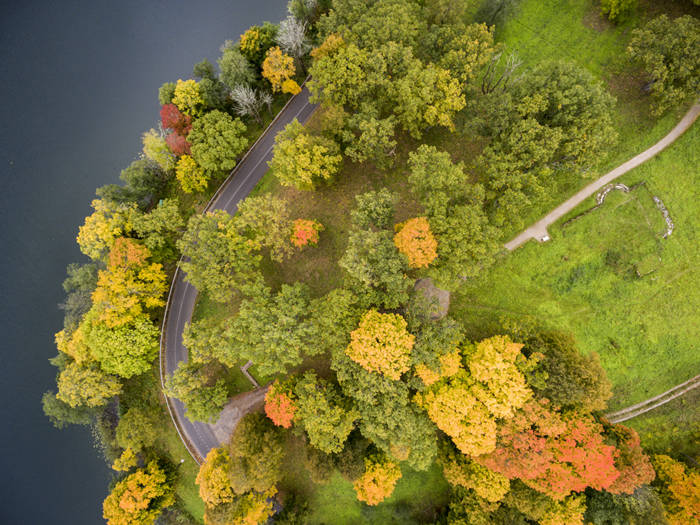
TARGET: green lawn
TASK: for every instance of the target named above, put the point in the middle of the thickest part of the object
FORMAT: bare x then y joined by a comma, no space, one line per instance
585,280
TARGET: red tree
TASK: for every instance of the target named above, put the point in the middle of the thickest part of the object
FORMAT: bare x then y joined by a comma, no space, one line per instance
178,144
553,453
172,118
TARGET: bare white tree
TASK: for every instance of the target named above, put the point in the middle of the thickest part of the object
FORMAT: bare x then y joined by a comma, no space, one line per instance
247,101
291,37
266,98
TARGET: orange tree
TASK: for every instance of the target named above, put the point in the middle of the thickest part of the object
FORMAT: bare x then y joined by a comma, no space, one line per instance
378,481
415,240
280,405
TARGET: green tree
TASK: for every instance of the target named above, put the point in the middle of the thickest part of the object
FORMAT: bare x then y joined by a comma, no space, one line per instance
617,10
166,92
374,209
326,416
466,241
125,350
265,219
303,160
137,429
256,454
156,150
214,94
219,259
203,396
86,385
669,51
370,138
79,285
61,413
204,69
159,228
333,316
235,68
217,140
272,331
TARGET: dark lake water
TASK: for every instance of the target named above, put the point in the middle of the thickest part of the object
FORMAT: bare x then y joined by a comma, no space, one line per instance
78,85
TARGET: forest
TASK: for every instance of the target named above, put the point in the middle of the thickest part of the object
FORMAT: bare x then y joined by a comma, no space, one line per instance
442,128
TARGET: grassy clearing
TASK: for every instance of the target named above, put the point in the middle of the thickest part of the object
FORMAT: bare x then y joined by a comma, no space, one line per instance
586,279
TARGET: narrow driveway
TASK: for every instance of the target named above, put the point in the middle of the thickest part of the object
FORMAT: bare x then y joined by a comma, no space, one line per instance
199,438
538,230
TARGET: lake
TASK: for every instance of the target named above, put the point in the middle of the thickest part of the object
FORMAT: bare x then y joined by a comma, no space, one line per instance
78,84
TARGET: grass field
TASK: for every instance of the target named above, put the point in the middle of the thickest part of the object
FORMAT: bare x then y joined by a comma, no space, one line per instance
586,279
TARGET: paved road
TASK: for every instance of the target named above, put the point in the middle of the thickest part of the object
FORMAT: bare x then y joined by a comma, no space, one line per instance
538,231
199,437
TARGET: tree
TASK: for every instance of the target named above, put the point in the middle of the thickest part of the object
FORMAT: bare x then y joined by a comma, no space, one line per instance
643,508
156,149
249,509
454,206
461,471
108,222
204,69
217,140
272,331
256,454
634,466
247,101
333,317
126,461
303,160
436,353
144,182
325,415
172,118
213,478
136,429
277,68
166,92
617,10
188,98
369,138
86,385
679,490
79,285
280,404
388,418
553,453
265,219
415,240
573,380
374,209
203,397
545,510
178,145
256,41
125,350
129,286
214,94
219,259
61,413
192,177
382,344
305,232
160,228
378,481
140,497
669,51
235,68
375,268
291,37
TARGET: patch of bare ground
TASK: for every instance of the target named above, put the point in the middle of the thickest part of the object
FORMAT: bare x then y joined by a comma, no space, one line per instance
595,20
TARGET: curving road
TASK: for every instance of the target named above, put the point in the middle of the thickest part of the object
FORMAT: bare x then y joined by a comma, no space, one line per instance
199,438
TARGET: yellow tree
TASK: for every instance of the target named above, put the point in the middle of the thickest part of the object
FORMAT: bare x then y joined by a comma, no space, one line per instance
108,222
461,471
381,344
213,478
126,461
278,68
74,344
190,175
378,481
80,385
415,240
680,491
139,498
187,97
450,364
130,284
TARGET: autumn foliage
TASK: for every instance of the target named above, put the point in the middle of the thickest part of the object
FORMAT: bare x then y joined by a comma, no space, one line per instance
278,68
139,498
378,481
280,405
461,471
415,240
680,491
553,453
381,344
305,232
213,478
172,118
178,144
634,466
